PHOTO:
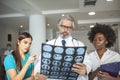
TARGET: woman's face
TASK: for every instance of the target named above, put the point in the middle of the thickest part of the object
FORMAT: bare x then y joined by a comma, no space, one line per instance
24,45
99,41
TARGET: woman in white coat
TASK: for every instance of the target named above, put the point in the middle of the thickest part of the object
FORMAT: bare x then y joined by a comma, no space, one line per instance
102,37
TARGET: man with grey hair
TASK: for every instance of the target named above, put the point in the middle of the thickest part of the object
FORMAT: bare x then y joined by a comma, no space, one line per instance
66,24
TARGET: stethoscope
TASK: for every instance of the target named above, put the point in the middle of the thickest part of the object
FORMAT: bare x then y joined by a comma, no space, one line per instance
73,41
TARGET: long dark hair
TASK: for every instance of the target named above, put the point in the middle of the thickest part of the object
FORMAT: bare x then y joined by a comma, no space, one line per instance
16,53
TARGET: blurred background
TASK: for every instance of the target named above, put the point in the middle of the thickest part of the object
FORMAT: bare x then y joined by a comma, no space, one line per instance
15,18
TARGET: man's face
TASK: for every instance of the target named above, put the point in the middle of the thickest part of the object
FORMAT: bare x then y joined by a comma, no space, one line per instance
65,28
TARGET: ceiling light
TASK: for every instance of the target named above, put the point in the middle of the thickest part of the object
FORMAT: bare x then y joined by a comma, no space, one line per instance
91,13
48,24
63,15
91,26
21,26
109,0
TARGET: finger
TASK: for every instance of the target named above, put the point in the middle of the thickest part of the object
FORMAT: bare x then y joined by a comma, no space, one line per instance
38,73
76,66
41,75
79,71
79,66
34,57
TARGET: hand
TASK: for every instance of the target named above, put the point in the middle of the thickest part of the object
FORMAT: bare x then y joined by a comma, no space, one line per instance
93,74
31,59
39,76
107,76
80,68
103,74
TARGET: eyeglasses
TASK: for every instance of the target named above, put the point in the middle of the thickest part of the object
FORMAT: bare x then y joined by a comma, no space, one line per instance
66,27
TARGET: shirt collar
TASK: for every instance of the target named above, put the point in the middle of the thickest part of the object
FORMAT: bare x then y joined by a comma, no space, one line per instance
66,39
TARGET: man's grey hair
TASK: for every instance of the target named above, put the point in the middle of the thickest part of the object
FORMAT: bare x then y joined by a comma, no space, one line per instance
68,17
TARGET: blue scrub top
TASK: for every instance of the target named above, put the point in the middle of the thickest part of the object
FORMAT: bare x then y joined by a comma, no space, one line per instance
9,63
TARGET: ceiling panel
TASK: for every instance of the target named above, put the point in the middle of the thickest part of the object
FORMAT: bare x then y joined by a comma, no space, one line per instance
44,5
16,12
6,9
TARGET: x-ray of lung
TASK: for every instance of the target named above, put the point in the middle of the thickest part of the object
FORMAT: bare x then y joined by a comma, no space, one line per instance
57,61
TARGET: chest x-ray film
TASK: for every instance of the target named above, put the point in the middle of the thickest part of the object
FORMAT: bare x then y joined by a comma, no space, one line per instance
57,61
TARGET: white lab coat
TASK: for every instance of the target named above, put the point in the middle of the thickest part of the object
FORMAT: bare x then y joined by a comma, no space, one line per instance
108,57
69,42
7,52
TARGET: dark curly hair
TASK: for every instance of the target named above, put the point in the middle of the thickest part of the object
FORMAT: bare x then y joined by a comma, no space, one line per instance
106,30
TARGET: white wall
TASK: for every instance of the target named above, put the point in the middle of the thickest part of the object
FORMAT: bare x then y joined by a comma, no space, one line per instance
82,36
4,36
118,39
49,34
4,31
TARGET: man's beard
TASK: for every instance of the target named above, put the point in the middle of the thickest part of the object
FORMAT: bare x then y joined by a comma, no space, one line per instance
64,35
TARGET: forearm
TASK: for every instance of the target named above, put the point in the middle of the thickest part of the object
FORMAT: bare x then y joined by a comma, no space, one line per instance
92,75
30,78
21,75
112,78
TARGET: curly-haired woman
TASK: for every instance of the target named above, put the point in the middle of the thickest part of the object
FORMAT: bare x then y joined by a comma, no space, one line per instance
102,37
